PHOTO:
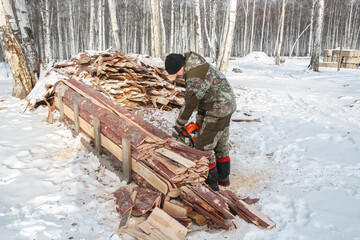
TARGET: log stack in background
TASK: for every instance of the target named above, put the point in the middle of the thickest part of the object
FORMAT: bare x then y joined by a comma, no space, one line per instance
129,81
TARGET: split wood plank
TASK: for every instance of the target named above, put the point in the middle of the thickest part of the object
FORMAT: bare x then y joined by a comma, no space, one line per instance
114,149
126,216
251,211
213,199
176,157
173,209
138,234
160,221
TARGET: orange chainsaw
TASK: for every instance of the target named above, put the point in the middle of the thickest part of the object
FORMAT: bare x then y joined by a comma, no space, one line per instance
188,133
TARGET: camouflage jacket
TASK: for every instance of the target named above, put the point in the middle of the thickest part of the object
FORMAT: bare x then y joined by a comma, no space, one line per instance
207,89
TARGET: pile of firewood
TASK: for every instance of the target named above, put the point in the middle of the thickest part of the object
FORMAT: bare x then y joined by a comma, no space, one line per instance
126,79
196,203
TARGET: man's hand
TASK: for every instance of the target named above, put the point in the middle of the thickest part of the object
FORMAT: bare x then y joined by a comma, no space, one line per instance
178,127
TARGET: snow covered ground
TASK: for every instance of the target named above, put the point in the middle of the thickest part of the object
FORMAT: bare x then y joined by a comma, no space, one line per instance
302,160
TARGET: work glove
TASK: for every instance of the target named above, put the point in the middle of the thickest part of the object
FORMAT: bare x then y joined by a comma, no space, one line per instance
199,120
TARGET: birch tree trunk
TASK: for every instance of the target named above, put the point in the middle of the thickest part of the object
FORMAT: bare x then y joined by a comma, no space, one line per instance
315,57
23,78
348,35
60,33
246,11
92,24
198,28
282,20
172,28
156,36
114,24
48,51
262,27
163,33
228,37
311,28
71,30
252,27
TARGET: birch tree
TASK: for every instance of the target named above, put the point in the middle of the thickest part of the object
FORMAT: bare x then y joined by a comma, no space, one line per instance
114,24
246,11
281,32
71,29
227,37
198,28
315,57
252,26
156,36
23,78
262,27
92,24
311,27
27,38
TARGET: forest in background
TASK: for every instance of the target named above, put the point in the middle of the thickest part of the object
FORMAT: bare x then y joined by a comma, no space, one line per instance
78,25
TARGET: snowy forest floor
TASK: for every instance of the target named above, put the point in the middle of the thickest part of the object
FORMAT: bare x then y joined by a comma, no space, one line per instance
302,160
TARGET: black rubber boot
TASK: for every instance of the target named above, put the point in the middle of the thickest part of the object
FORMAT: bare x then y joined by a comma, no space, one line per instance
223,167
212,179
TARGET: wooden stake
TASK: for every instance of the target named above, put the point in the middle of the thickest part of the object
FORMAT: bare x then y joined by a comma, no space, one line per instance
61,107
96,122
341,48
126,160
76,117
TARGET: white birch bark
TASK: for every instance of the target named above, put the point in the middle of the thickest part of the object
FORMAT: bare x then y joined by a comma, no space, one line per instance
348,35
23,79
246,11
228,37
198,28
48,52
252,27
156,37
71,30
27,39
99,23
172,28
60,33
282,20
92,24
311,28
315,58
163,33
114,24
262,27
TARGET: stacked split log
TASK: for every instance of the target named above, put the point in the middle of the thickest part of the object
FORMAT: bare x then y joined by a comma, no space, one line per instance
129,81
156,157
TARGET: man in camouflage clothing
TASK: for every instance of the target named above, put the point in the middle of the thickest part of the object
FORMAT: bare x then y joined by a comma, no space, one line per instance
207,90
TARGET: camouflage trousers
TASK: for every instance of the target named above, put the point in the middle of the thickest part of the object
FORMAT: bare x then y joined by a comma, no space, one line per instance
214,137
